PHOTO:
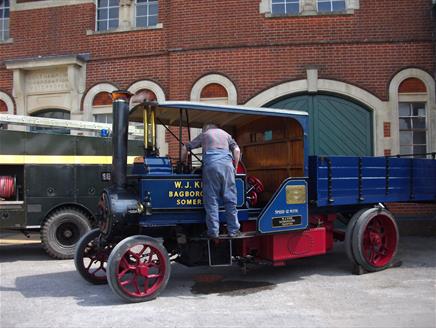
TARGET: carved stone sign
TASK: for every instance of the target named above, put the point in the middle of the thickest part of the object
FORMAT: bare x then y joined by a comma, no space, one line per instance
41,81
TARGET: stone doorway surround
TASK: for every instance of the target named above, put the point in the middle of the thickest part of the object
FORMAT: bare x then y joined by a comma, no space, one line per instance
49,82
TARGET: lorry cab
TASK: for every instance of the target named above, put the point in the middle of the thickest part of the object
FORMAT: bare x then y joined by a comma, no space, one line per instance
272,144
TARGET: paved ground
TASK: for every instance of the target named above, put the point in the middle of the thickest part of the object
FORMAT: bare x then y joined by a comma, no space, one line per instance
36,291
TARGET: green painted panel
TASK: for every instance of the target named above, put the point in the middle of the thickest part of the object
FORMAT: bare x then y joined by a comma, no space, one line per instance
337,126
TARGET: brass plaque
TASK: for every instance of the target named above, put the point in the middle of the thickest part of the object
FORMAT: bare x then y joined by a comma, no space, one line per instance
295,194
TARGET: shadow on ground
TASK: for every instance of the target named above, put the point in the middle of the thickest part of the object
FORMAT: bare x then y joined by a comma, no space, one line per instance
194,282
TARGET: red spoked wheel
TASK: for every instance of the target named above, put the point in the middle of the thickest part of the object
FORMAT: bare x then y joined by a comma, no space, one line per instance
252,198
90,258
375,239
138,269
256,184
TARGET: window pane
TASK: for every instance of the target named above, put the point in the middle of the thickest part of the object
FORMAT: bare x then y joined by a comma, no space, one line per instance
102,14
6,3
113,23
113,13
406,138
141,21
418,123
324,7
406,150
405,124
278,8
152,21
153,8
418,109
103,118
103,3
102,25
404,109
114,3
292,8
141,10
419,150
7,12
1,12
339,6
419,137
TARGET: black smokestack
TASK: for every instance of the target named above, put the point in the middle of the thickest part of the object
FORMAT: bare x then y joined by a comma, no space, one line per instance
120,125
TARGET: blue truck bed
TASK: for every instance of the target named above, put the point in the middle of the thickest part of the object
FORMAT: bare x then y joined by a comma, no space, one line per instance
341,180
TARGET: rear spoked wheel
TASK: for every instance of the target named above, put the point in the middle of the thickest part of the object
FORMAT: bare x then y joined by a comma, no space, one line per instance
138,269
91,258
375,240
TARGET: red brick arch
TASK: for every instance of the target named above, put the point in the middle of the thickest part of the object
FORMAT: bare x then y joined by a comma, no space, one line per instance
3,107
412,85
214,90
102,99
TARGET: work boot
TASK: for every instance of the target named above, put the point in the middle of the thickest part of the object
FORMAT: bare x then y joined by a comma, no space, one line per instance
235,234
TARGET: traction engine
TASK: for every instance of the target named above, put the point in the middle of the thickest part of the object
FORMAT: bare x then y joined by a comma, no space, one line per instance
287,201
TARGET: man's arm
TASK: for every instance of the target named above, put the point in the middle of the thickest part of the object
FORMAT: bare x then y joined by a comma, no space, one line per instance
184,158
194,143
236,156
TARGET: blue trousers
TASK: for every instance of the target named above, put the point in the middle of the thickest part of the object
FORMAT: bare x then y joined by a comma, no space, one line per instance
219,183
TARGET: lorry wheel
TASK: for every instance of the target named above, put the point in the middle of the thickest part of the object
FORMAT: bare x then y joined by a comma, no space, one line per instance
349,234
138,269
62,230
375,239
90,258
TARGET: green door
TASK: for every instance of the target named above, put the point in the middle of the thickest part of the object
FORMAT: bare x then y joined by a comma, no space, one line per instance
337,126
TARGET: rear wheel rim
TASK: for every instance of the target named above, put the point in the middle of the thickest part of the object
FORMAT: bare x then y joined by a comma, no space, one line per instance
141,270
95,259
379,241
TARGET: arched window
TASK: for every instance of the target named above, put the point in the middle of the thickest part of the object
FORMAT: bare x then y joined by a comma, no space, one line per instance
102,107
149,95
214,88
3,110
52,113
3,107
413,122
214,93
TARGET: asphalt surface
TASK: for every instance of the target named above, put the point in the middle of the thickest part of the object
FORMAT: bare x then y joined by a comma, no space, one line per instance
36,291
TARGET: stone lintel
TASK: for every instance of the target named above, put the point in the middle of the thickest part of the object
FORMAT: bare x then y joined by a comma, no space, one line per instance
46,62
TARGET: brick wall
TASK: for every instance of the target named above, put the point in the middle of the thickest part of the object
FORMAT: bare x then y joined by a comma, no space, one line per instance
412,209
232,38
197,38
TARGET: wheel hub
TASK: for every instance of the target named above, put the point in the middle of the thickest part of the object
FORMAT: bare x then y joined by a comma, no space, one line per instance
68,233
376,240
142,270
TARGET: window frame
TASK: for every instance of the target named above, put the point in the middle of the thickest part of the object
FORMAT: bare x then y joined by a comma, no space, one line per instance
331,11
5,28
308,8
285,3
411,117
108,7
147,5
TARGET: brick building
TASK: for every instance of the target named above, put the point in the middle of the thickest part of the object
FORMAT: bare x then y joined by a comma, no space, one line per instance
363,69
